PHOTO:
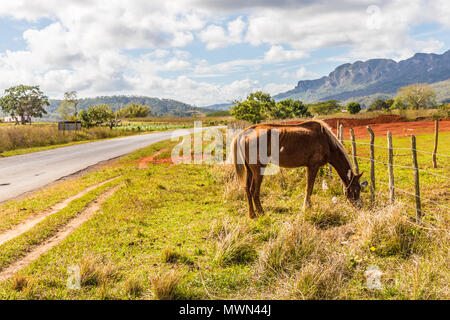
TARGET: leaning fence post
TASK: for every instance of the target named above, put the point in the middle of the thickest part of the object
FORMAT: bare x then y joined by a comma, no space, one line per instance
355,159
416,177
391,166
341,133
436,132
372,164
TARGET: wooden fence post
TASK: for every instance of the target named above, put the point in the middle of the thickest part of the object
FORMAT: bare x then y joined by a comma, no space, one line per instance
355,159
391,167
341,133
372,165
416,177
436,133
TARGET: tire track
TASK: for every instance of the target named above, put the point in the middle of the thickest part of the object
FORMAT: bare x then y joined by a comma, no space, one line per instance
29,223
62,234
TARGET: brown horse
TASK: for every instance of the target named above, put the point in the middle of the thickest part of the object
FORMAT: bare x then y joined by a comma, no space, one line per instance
310,143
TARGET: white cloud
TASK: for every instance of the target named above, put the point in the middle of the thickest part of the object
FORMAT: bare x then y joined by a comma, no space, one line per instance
299,74
279,54
86,45
217,37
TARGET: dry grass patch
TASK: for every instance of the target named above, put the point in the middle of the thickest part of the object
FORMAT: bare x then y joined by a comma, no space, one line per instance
235,245
20,282
327,214
170,255
389,232
296,243
94,272
165,285
134,287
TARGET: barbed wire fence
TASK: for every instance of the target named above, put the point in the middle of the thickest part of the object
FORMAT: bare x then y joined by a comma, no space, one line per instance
390,149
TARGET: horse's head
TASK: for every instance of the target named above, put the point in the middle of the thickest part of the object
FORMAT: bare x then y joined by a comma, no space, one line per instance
353,189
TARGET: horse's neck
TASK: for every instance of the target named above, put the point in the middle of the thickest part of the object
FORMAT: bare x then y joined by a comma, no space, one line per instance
340,162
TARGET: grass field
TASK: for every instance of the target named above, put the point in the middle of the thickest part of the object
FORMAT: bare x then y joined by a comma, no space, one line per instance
15,140
181,232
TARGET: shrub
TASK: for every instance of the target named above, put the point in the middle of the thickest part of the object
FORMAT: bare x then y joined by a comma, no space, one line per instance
296,243
165,285
235,246
353,107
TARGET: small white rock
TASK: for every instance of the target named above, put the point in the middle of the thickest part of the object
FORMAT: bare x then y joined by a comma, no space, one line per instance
324,185
334,199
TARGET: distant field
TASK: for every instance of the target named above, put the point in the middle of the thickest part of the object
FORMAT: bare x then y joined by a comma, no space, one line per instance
20,139
182,232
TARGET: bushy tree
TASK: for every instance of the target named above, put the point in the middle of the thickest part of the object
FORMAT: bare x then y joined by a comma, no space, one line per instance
23,101
378,104
398,104
418,96
288,109
97,115
353,107
254,108
325,107
134,110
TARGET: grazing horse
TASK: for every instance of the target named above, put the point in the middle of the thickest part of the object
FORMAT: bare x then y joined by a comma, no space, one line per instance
310,144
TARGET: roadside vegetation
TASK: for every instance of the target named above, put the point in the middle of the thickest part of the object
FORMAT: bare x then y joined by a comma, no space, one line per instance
182,232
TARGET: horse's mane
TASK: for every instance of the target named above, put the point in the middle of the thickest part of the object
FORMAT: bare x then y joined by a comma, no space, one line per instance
334,141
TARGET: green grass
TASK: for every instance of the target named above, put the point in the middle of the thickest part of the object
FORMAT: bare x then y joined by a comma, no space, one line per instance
182,232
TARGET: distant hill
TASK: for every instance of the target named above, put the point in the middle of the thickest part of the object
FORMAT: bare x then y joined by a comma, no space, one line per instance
369,80
160,107
219,106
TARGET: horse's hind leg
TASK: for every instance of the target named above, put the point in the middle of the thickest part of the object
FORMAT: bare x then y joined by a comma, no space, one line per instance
256,189
311,173
248,187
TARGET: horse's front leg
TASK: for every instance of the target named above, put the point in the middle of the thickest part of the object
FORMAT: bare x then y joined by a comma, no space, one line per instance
311,173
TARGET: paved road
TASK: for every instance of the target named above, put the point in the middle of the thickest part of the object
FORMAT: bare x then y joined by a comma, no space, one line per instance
23,173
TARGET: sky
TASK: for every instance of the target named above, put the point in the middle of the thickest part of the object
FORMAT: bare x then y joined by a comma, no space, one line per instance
204,52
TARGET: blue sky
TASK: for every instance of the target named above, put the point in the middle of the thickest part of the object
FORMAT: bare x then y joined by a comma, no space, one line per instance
205,52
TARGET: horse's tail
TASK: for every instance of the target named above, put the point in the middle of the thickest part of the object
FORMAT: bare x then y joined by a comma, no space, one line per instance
238,156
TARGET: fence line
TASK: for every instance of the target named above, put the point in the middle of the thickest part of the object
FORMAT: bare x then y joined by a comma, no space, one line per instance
385,147
404,167
412,194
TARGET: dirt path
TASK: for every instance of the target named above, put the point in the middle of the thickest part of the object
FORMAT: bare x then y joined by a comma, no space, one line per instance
143,162
62,234
31,222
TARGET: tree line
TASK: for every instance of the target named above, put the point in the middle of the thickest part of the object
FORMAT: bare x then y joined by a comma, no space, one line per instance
261,106
23,102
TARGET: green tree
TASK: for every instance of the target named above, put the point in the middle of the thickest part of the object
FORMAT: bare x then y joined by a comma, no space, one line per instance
255,108
389,103
24,101
134,110
353,107
289,108
378,104
325,107
418,96
398,104
98,115
68,108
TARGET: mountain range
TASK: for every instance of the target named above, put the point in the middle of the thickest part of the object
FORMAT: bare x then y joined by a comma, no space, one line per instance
160,107
368,80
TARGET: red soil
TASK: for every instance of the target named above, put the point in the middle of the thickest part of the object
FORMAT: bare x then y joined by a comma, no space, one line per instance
143,162
381,124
